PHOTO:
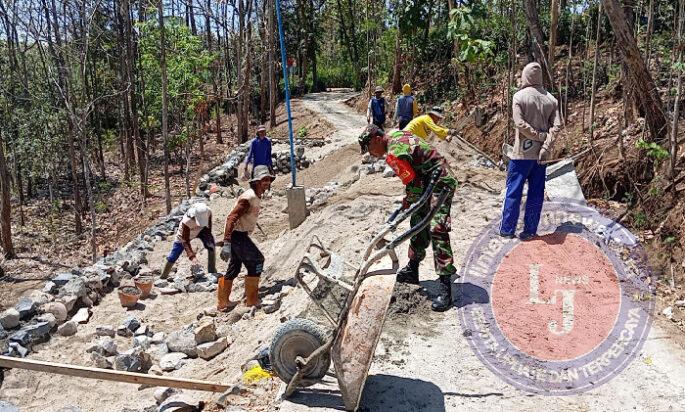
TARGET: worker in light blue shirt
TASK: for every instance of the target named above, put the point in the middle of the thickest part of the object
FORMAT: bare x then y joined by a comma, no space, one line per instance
260,152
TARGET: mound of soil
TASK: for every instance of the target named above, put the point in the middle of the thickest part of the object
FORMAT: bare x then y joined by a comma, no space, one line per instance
407,300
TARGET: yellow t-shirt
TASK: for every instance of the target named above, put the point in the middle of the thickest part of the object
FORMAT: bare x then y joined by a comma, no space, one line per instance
422,126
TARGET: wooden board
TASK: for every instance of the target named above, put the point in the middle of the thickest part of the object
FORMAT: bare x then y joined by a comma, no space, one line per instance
109,375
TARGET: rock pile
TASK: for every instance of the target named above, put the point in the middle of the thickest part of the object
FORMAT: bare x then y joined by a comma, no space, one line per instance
226,174
69,295
281,160
372,165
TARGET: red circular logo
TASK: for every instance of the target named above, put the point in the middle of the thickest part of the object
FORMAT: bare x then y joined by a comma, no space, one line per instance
556,298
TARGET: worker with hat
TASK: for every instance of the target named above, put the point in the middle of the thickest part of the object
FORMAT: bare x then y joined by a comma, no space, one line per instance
237,247
416,163
422,126
195,224
375,112
259,153
406,108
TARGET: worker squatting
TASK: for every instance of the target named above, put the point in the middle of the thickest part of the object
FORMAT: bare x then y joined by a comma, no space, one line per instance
625,340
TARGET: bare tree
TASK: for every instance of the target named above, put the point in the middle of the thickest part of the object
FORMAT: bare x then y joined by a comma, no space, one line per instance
165,104
553,29
679,89
533,19
645,88
593,99
5,206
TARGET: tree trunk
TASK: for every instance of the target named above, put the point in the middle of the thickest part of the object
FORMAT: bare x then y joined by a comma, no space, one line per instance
140,149
5,206
631,107
650,28
645,88
218,92
242,86
190,17
538,48
568,66
264,66
312,46
273,86
593,99
676,104
64,93
510,75
553,29
397,64
165,105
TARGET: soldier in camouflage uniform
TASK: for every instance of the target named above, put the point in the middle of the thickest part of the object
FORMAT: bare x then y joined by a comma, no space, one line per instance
414,161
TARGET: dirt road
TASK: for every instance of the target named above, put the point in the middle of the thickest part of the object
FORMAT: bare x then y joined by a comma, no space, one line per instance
424,362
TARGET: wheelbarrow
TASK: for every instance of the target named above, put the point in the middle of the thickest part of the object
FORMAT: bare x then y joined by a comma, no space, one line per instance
301,350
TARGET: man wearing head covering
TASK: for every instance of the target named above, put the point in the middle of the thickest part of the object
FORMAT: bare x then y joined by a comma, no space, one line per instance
376,109
416,162
238,248
422,126
260,152
405,108
536,118
195,224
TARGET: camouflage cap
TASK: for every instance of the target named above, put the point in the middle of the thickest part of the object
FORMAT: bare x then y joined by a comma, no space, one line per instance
369,133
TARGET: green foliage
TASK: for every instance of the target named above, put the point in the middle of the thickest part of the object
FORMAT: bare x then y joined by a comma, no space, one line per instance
302,132
463,26
188,63
670,240
640,219
654,150
101,206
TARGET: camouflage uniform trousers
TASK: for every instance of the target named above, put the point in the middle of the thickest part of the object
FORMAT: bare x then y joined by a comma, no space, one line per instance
436,234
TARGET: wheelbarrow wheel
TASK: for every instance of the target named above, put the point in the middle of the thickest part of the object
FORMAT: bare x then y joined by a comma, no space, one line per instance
299,337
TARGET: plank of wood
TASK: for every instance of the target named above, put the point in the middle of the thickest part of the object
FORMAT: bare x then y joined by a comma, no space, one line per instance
109,375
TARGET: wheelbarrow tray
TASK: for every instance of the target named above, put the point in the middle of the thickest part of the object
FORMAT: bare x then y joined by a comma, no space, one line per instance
358,335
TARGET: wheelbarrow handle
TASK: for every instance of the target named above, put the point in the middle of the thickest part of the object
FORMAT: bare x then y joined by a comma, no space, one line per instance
400,215
390,247
422,224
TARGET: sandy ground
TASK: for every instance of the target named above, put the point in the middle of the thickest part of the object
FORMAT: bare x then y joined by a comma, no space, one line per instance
423,361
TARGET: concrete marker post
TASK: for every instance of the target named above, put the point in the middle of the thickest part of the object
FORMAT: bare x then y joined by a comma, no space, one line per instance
297,205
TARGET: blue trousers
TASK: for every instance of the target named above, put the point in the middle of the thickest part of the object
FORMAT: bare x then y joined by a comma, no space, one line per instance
205,236
518,173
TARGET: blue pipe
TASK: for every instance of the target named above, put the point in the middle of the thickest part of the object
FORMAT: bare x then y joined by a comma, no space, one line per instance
293,167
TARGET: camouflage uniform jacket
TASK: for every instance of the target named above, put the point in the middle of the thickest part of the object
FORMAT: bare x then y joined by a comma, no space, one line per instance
424,159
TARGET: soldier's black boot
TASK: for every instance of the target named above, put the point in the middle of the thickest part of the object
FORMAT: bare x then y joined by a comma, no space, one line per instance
444,299
409,273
